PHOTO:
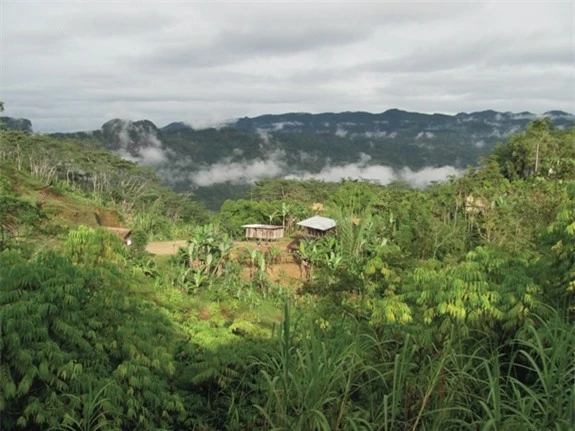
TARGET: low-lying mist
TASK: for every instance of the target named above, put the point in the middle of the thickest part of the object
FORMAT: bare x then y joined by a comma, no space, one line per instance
275,165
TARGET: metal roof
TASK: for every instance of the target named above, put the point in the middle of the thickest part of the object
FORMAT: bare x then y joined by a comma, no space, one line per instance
318,222
261,226
120,231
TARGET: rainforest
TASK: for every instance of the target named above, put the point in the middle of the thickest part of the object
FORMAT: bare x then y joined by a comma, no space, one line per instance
448,307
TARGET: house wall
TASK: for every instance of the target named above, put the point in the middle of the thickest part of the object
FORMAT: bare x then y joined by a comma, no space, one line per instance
265,234
316,233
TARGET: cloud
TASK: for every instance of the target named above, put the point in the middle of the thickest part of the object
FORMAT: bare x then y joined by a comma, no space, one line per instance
428,135
247,172
428,175
232,46
274,165
341,132
146,149
212,62
382,174
208,123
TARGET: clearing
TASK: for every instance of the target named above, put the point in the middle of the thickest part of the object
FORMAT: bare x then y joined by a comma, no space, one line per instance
285,268
165,248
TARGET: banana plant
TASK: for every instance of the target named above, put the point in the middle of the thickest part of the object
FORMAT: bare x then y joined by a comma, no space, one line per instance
224,247
334,260
273,254
199,279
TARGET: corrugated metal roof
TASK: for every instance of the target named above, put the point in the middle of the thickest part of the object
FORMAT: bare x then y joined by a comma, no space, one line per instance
261,226
318,222
120,231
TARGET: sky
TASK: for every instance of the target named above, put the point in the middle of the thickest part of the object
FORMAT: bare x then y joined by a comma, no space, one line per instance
73,65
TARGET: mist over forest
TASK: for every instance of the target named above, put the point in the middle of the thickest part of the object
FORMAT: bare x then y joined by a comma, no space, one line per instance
222,162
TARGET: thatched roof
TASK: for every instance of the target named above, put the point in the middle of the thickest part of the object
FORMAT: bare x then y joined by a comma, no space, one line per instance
120,231
318,223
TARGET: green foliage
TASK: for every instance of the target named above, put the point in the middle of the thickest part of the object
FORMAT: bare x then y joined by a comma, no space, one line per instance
488,290
67,329
540,151
205,257
444,308
309,383
559,274
82,169
18,216
139,240
234,214
88,246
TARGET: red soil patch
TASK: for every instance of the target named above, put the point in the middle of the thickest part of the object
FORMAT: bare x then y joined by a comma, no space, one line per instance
204,314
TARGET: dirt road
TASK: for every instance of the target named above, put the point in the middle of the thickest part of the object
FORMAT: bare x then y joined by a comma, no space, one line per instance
164,248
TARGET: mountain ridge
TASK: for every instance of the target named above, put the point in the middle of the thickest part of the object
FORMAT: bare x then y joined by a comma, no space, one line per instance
221,162
15,123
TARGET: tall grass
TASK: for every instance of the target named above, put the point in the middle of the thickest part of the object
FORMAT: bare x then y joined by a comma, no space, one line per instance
358,380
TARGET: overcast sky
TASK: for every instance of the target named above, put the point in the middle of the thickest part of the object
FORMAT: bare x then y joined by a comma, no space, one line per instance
74,65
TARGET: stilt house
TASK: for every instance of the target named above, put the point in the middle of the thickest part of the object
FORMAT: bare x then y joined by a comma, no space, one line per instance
318,226
263,231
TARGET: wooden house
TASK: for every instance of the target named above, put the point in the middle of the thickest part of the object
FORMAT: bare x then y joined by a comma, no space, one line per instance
263,231
122,233
318,226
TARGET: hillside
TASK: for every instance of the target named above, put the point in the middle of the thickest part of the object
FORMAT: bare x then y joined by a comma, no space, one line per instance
66,183
220,163
429,308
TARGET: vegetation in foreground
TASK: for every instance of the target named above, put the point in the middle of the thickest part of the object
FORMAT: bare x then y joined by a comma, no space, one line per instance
444,308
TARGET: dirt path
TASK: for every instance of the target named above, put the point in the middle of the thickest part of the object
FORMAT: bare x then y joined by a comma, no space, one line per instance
164,248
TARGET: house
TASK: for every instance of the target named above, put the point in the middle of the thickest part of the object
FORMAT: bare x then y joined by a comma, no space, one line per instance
318,226
122,233
263,231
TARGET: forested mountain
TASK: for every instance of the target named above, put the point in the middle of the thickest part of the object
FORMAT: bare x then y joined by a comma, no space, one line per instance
444,308
10,123
218,163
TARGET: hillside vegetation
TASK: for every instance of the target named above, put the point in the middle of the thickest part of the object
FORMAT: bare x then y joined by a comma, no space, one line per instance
444,308
222,162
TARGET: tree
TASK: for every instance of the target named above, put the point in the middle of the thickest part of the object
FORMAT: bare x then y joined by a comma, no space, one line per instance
73,329
538,151
15,213
490,289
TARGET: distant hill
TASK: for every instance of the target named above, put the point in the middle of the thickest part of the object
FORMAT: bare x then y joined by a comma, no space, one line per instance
21,124
488,123
220,161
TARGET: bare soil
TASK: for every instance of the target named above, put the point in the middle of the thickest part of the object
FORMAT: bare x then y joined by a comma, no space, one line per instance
164,248
285,269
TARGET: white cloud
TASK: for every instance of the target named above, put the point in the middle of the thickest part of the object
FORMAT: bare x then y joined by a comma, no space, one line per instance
148,151
246,172
274,165
362,170
427,135
212,62
426,176
280,125
340,132
375,134
208,123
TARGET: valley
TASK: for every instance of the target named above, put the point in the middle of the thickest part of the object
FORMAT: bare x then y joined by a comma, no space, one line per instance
125,304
